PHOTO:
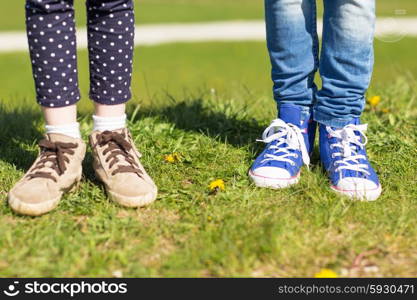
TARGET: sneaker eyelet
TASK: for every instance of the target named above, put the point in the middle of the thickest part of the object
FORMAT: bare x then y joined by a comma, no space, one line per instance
293,164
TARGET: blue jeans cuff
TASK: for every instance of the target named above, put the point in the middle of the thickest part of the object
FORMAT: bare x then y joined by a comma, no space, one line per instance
331,121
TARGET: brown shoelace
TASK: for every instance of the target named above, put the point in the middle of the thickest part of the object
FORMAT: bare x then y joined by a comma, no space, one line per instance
53,152
117,145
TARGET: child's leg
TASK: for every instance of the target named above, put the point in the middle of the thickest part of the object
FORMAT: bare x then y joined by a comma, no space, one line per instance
293,48
51,35
111,27
52,43
346,60
346,67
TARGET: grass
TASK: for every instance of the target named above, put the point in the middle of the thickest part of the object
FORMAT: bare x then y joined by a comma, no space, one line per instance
186,103
168,11
197,70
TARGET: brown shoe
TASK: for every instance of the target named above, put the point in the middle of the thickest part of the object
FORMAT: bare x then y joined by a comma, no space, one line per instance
117,165
56,170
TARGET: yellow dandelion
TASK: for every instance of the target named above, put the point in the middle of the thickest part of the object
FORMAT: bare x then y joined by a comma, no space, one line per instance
326,273
216,185
172,158
374,101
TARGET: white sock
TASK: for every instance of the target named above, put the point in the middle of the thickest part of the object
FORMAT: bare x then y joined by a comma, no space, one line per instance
109,123
72,129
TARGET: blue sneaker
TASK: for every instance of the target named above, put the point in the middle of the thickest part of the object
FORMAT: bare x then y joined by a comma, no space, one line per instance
290,141
343,154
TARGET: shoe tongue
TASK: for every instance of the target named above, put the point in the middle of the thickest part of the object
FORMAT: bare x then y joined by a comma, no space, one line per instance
57,137
290,114
356,121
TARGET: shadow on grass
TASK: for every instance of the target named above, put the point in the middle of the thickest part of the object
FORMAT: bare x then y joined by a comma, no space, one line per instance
218,120
18,129
222,122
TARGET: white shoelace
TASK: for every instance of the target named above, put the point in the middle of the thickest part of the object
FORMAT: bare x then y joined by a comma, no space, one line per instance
285,133
348,144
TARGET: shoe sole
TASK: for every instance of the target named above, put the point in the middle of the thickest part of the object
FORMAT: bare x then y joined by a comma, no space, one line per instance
37,209
137,201
364,195
273,183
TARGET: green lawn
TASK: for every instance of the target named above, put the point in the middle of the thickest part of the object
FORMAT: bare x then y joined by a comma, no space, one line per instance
164,11
209,102
237,71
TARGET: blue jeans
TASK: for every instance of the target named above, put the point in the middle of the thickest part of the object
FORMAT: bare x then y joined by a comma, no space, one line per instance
345,63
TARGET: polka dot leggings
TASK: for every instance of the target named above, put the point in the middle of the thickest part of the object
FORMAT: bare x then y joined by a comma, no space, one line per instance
52,42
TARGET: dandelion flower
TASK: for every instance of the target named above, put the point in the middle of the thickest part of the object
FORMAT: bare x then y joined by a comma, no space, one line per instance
172,158
216,185
374,101
326,273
